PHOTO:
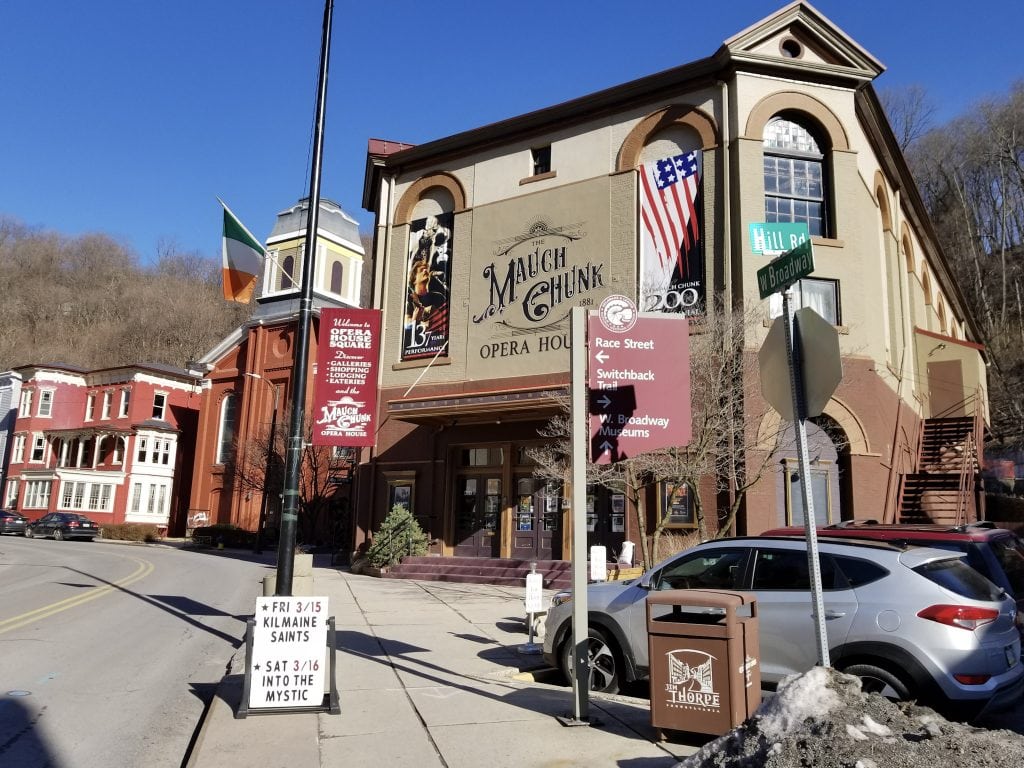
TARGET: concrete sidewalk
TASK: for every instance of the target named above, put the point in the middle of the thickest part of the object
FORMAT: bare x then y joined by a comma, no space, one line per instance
429,674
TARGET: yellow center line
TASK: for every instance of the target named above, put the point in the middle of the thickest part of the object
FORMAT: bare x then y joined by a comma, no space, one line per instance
145,568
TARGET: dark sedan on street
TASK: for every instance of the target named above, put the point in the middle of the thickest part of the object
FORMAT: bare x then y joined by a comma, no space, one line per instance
12,522
63,525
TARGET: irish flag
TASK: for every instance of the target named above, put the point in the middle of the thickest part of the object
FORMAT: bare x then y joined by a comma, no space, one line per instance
243,259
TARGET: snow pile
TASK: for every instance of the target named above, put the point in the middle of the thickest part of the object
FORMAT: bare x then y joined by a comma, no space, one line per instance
822,718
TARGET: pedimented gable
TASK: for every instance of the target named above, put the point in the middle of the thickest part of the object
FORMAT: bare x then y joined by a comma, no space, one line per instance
798,36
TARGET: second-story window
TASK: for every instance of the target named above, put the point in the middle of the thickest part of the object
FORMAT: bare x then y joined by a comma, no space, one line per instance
226,439
541,160
161,451
141,454
18,450
795,186
159,405
38,448
821,295
25,409
125,396
106,404
90,407
45,402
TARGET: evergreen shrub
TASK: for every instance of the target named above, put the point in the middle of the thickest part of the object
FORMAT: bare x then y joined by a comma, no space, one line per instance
399,535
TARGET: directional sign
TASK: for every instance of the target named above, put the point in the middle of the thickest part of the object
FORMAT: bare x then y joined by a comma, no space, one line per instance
776,237
781,273
639,384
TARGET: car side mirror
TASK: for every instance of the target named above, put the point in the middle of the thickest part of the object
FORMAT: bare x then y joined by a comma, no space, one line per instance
646,579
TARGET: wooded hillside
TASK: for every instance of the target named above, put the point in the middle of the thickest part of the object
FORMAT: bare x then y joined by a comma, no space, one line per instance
971,175
87,301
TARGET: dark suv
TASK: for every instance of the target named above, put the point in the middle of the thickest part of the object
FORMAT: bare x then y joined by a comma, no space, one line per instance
995,552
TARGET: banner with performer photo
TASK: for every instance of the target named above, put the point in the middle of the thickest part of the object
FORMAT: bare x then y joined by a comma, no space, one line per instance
671,247
427,297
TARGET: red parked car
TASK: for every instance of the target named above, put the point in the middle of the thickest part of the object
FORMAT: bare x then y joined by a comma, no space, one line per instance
995,552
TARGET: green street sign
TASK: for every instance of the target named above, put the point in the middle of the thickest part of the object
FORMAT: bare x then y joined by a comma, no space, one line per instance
776,237
781,273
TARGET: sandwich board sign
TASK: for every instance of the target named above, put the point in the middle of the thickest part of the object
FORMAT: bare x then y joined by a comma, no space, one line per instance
289,644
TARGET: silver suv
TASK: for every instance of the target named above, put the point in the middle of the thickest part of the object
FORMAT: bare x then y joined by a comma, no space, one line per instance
911,622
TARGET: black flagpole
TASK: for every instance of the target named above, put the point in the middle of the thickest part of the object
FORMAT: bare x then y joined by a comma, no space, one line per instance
293,461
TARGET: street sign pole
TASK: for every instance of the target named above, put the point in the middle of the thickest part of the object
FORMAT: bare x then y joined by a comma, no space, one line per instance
804,469
580,428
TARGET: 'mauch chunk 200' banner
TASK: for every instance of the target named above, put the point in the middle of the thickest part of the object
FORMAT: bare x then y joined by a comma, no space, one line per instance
671,250
345,401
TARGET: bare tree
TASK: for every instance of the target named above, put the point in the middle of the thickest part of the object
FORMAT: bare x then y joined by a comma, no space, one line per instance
726,453
910,111
87,301
257,465
971,177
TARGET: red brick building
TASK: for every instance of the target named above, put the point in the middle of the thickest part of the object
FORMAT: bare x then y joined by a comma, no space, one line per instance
247,385
114,444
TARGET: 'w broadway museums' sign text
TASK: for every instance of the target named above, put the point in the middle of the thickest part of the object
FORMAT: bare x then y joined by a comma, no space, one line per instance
639,386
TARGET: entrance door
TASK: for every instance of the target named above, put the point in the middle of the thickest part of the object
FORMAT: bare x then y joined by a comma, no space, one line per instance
946,394
606,520
536,520
478,515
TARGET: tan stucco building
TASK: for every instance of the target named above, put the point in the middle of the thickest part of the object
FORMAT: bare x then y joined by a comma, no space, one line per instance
485,240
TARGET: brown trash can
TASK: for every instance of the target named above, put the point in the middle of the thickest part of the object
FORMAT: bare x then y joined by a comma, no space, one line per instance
705,666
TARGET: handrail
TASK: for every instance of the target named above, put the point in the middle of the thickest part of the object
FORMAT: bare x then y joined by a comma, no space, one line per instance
972,460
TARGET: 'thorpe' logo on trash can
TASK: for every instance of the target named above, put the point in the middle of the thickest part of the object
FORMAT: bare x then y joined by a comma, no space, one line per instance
690,683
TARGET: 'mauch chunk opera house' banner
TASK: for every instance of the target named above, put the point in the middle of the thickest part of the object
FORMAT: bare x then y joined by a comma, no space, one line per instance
428,294
345,399
671,249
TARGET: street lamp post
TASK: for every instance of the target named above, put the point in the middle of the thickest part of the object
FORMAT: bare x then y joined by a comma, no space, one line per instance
258,545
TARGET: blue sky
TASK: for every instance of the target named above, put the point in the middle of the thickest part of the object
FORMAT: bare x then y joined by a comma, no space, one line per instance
130,117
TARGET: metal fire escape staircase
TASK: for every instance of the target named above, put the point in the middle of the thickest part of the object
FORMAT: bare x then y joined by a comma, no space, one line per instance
943,487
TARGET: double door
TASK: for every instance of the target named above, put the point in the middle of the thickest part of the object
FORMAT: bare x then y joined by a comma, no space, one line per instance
478,505
536,517
537,520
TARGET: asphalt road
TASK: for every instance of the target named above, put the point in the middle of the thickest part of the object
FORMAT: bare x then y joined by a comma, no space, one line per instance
110,652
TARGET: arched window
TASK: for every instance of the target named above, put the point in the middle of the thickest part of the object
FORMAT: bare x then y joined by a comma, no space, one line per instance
287,271
228,423
794,176
336,277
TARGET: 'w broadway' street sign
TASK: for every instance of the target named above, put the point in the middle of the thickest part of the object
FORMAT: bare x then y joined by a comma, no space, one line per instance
791,266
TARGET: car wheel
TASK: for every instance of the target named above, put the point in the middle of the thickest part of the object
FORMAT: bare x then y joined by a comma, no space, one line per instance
881,681
58,534
604,658
29,533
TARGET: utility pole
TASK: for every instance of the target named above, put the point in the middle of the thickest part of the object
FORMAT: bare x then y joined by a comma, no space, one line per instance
293,459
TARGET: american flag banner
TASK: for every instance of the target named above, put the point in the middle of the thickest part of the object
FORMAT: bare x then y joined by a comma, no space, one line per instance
670,218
